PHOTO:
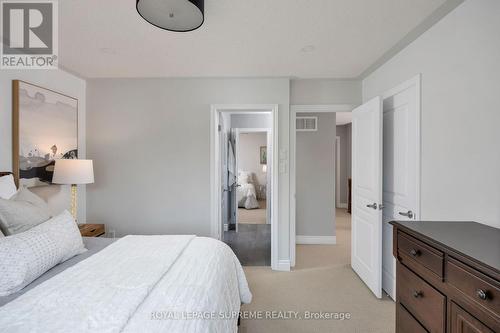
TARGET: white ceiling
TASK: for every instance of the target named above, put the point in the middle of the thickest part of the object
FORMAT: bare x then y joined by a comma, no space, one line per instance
343,118
240,38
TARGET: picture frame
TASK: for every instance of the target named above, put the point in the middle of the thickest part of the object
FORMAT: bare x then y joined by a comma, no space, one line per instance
44,129
263,155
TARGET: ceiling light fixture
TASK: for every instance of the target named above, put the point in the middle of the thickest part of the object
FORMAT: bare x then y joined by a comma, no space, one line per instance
172,15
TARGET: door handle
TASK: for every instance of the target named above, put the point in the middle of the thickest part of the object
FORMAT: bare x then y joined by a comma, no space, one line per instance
373,205
408,214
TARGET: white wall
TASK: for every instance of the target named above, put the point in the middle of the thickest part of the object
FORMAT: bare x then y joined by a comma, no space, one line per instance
150,141
249,155
459,62
315,184
325,91
58,197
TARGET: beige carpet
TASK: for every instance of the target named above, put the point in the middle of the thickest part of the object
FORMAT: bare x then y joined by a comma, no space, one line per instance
253,216
322,281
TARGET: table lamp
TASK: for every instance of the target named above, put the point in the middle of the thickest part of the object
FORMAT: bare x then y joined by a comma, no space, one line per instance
73,172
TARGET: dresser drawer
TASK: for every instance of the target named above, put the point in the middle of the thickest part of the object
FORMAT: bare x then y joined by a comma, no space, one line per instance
405,323
463,322
413,251
424,302
474,285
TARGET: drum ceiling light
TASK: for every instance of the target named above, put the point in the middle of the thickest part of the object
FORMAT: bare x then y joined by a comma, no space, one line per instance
172,15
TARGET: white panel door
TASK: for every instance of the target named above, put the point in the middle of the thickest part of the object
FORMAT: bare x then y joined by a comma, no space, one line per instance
401,109
366,246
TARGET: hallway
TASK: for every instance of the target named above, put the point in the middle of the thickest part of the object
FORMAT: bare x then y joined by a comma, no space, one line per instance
322,280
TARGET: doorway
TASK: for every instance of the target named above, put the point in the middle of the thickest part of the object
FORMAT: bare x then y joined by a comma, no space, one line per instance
317,183
248,230
244,200
252,192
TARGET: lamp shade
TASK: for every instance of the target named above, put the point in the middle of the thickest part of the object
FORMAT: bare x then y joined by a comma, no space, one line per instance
173,15
73,171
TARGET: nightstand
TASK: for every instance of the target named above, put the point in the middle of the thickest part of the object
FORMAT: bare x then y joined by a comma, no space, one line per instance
92,230
261,192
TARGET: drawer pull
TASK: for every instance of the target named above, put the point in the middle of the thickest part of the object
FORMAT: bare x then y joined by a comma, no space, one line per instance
481,294
415,253
93,230
417,294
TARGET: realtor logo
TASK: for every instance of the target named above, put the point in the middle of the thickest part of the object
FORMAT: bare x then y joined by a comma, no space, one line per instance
29,34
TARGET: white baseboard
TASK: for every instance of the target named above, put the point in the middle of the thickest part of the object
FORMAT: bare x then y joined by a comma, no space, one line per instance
283,265
226,227
316,239
342,205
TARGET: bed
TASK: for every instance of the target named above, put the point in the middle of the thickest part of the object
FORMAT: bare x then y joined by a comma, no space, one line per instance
127,285
246,195
157,283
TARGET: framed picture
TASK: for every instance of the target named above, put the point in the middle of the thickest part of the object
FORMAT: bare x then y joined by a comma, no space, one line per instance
44,129
263,155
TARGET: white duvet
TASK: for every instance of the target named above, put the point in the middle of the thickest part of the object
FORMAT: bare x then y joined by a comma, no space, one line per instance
138,284
246,197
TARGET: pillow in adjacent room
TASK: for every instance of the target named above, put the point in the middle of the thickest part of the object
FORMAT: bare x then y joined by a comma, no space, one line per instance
27,255
243,177
22,212
7,187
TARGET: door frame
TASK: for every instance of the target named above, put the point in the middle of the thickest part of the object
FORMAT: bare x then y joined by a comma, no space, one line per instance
337,172
294,109
269,174
215,169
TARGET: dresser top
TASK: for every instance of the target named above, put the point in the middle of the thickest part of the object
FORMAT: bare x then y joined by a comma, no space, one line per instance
471,239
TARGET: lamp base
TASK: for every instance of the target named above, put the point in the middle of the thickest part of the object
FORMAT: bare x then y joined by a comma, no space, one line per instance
73,201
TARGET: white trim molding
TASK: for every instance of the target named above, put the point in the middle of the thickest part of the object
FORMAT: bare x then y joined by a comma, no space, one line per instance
342,205
300,239
283,265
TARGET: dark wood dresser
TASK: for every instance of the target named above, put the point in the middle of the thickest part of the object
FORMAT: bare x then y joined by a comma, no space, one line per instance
447,277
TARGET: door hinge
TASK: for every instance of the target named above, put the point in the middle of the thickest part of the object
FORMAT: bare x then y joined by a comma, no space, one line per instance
219,128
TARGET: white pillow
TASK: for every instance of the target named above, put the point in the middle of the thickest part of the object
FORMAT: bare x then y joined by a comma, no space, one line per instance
27,255
7,187
22,212
243,177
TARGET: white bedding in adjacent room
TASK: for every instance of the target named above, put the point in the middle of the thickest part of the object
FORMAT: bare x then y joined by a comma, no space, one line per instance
246,196
138,283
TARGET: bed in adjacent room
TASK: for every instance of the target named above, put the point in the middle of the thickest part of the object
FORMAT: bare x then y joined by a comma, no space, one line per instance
53,281
246,195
